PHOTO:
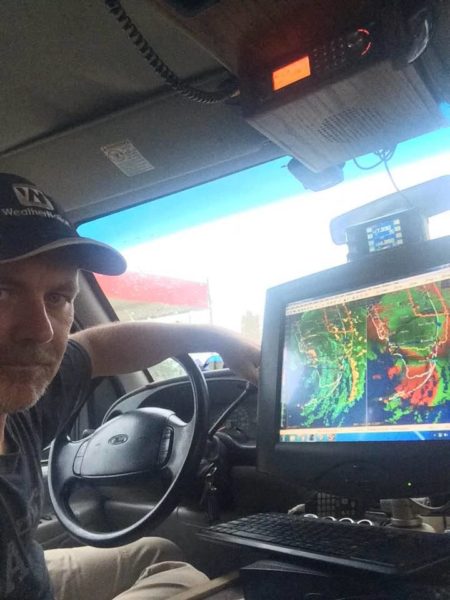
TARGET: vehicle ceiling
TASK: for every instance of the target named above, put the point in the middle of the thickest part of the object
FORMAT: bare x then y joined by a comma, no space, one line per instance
73,83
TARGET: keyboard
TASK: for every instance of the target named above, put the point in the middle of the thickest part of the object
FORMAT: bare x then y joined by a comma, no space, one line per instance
373,548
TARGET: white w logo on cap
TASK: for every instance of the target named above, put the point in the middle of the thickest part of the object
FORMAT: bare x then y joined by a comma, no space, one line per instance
31,196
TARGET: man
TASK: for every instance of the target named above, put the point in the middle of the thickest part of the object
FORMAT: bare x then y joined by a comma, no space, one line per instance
42,370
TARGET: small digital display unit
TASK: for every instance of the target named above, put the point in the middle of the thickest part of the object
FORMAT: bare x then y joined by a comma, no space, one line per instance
401,228
386,234
354,395
369,365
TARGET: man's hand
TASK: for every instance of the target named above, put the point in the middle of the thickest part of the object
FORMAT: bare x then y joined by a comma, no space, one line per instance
241,356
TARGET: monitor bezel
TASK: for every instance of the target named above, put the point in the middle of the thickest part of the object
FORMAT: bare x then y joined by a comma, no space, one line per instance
353,469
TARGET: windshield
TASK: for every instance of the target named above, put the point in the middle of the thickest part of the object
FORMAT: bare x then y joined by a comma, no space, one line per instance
208,254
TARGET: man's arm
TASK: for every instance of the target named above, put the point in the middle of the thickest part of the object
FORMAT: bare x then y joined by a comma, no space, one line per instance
127,347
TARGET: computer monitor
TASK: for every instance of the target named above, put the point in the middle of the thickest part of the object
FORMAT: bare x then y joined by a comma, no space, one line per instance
355,376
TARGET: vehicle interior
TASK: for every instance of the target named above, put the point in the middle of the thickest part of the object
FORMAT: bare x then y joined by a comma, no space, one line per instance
245,156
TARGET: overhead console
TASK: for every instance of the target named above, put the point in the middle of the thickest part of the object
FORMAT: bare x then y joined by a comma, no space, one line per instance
329,81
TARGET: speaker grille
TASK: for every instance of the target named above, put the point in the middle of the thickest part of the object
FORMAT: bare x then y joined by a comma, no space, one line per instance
352,125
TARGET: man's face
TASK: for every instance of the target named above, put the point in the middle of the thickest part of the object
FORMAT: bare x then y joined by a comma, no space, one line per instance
36,313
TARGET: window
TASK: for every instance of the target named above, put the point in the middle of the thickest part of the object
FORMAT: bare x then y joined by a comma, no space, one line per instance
208,254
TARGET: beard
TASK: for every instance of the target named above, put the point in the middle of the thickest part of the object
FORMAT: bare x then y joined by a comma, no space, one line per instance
25,374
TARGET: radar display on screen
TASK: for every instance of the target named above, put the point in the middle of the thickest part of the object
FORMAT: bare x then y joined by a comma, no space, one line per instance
369,365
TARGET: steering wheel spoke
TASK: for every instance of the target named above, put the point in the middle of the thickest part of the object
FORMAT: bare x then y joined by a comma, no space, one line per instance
175,445
67,460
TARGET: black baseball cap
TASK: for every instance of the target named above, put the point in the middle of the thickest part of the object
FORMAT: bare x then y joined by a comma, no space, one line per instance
31,223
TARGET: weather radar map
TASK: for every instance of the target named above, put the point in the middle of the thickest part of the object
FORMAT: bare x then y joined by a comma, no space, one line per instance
369,365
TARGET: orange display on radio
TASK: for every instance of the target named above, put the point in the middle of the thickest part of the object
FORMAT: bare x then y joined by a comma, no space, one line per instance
291,73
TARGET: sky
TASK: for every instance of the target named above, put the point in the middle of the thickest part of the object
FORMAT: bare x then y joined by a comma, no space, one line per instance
259,228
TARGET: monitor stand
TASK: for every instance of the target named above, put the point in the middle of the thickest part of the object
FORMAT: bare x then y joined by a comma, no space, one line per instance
405,514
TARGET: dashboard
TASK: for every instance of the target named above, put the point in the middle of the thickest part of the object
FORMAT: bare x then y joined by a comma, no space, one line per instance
176,394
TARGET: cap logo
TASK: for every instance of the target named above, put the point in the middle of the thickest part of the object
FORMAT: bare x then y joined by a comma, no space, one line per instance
31,196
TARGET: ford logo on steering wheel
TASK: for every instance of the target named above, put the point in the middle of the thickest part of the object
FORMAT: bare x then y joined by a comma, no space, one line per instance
120,438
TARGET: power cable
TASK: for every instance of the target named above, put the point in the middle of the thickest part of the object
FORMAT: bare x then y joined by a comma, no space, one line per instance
384,156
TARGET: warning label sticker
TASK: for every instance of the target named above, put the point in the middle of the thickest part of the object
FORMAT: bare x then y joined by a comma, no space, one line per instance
127,158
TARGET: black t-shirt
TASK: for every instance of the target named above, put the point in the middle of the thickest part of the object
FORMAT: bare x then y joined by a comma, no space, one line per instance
23,574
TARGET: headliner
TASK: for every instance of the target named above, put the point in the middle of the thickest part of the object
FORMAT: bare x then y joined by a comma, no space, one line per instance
72,83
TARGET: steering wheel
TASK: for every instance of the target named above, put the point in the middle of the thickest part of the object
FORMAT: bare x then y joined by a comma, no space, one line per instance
147,442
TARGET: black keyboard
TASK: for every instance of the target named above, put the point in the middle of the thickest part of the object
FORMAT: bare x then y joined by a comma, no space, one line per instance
374,548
